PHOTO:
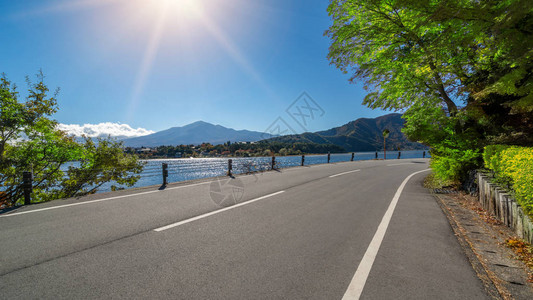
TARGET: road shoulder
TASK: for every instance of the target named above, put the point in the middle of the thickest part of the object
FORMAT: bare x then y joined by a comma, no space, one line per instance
420,257
483,241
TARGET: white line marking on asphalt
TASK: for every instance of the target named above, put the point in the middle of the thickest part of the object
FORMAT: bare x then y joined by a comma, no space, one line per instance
215,212
359,279
99,200
401,164
184,186
343,173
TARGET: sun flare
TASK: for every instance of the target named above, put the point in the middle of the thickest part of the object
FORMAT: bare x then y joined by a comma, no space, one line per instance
147,26
181,7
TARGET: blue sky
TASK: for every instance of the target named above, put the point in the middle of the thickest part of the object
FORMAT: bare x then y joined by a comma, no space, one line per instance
156,64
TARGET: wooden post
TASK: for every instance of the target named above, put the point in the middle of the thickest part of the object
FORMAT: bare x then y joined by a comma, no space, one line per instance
273,165
303,160
353,154
165,173
27,183
230,166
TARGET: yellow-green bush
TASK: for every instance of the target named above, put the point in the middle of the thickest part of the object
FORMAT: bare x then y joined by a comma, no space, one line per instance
513,165
451,165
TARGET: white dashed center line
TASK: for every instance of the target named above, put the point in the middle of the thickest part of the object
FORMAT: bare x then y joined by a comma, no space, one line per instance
215,212
344,173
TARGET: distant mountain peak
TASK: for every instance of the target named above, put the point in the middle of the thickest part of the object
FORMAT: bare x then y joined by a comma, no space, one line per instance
199,122
194,133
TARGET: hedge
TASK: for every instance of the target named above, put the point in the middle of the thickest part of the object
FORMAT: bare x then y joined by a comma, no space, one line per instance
513,165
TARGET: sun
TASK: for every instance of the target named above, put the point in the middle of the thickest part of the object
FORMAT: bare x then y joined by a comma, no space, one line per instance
179,6
185,23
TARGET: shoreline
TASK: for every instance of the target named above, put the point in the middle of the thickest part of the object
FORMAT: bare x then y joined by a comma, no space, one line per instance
277,155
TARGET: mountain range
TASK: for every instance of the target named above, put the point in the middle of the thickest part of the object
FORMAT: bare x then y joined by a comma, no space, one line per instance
364,134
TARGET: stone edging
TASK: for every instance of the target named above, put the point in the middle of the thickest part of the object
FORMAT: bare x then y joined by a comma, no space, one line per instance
501,204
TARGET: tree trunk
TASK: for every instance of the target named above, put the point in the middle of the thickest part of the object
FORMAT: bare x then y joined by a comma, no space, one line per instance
384,148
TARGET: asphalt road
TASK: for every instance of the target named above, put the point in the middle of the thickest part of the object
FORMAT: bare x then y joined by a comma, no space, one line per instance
355,229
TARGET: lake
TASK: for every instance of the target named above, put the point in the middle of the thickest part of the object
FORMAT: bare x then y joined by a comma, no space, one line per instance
181,169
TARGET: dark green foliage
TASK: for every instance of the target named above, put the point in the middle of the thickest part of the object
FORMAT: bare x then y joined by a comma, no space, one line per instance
30,141
262,148
462,70
103,162
360,135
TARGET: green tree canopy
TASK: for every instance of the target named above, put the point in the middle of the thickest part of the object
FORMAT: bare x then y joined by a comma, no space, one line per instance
30,141
461,70
447,53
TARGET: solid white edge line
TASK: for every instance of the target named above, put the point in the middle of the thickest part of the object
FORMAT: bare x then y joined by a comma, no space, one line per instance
363,270
104,199
343,173
99,200
214,212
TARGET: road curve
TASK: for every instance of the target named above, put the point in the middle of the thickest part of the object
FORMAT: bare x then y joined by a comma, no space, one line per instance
301,233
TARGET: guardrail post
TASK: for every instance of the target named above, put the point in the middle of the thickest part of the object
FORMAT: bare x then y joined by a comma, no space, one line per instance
165,173
399,154
376,155
27,184
273,165
230,166
303,160
329,157
353,154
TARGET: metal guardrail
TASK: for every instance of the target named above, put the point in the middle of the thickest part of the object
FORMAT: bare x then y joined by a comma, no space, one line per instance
218,167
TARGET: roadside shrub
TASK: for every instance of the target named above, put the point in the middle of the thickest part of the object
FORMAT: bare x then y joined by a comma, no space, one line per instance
456,143
452,165
492,157
513,165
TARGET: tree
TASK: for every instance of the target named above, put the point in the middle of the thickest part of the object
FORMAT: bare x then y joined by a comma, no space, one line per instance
470,62
18,118
437,52
30,141
283,152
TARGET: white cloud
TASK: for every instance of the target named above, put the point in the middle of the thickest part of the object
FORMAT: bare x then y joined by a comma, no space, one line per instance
103,130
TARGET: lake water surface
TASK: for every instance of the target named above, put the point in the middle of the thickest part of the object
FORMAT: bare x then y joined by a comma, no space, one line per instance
181,169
